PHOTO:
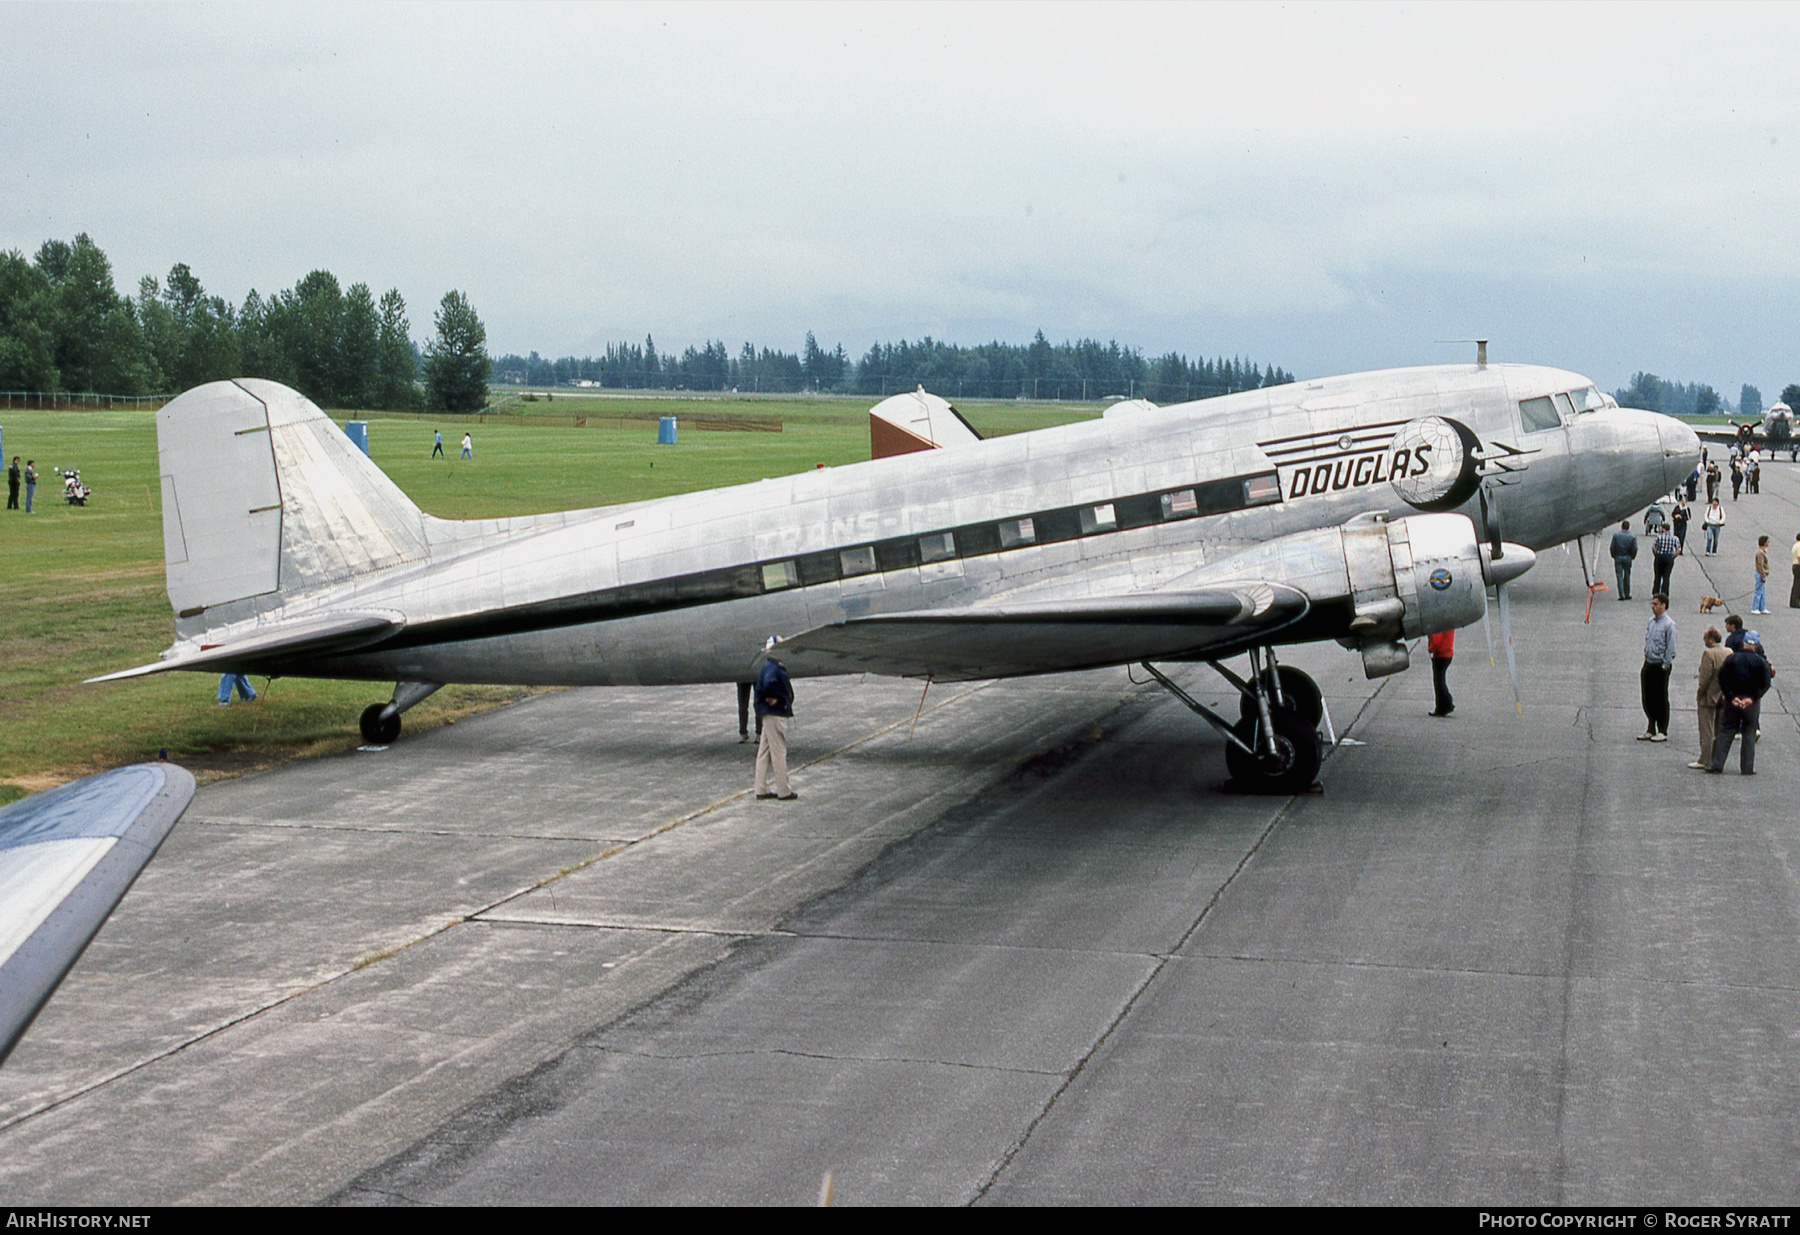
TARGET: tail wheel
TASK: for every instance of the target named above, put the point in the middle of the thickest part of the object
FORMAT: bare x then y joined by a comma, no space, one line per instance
375,730
1291,769
1301,693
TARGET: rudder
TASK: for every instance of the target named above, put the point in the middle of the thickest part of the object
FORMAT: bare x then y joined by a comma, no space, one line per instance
263,493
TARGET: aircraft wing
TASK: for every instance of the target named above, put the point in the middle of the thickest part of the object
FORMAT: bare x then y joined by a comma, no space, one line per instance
67,857
1048,636
328,633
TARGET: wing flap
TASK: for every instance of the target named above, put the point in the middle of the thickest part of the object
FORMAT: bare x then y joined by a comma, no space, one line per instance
328,633
1009,640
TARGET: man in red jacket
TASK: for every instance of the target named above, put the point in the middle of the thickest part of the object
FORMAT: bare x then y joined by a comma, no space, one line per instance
1443,649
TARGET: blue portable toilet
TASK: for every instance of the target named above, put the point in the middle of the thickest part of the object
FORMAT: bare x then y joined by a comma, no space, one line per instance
665,431
358,432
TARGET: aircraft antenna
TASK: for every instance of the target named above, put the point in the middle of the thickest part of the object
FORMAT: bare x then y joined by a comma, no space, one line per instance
1480,349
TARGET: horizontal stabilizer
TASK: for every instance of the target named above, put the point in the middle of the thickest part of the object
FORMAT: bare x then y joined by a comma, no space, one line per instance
1046,636
274,642
67,856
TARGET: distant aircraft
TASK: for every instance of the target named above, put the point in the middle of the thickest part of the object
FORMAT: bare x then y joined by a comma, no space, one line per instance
67,856
1369,509
1772,432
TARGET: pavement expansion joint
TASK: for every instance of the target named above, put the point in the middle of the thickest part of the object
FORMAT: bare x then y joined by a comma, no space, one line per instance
1012,1151
984,945
658,928
368,960
825,1056
452,833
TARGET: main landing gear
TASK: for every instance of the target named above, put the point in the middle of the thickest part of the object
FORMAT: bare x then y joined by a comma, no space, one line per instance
1274,747
381,721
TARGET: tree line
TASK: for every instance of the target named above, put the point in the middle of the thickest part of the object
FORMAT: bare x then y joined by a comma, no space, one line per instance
1085,369
1654,394
65,327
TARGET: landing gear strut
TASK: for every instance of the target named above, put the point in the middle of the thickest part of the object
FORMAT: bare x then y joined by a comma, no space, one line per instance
1274,747
380,722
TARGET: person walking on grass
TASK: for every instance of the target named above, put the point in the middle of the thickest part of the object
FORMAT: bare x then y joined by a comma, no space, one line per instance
1659,662
1759,596
775,706
12,491
1708,701
30,482
468,446
437,443
238,682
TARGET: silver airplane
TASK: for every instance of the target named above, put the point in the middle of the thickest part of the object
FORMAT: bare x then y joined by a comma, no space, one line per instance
1370,509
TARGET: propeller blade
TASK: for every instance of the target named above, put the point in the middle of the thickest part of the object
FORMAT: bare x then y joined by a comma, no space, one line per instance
1512,668
1487,633
1489,526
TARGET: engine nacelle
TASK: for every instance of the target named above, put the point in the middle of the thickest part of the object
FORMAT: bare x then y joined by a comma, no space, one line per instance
1415,576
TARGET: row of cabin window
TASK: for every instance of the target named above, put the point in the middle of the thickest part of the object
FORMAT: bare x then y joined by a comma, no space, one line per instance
1049,527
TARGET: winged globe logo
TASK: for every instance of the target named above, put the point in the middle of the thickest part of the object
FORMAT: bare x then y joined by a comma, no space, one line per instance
1437,463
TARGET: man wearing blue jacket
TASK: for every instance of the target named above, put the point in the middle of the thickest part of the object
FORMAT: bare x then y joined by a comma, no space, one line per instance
1743,680
774,708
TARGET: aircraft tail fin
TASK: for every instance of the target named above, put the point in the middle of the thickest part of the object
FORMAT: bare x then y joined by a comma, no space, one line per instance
263,494
916,421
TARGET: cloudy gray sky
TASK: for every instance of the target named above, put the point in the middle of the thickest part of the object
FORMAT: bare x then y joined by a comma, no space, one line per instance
1606,187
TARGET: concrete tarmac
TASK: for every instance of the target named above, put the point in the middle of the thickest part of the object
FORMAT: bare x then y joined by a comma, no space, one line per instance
1023,951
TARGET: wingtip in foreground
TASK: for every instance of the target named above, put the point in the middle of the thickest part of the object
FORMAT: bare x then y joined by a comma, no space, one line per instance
67,857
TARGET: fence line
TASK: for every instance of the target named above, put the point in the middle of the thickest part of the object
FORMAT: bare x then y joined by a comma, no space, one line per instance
77,400
699,421
1032,389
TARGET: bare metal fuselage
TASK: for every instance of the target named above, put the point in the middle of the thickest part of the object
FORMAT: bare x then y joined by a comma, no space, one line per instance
679,590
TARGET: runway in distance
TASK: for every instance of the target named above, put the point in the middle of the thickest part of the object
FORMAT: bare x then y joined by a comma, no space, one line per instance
1370,509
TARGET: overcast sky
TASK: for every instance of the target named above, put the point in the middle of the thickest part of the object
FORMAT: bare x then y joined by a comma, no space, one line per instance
1331,188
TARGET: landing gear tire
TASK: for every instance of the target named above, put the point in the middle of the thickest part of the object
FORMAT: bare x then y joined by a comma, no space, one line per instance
1300,691
375,730
1294,765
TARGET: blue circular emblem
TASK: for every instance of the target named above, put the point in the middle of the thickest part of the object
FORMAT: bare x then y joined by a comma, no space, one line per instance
1440,579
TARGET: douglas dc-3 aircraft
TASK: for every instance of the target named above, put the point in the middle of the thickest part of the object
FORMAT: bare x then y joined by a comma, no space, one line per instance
1369,509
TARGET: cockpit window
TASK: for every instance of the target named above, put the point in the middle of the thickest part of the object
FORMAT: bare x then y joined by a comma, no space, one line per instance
1538,414
1589,400
1566,408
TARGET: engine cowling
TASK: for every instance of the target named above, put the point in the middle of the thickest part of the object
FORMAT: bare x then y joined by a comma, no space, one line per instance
1417,576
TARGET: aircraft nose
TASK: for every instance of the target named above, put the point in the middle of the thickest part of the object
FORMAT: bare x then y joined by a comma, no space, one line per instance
1681,450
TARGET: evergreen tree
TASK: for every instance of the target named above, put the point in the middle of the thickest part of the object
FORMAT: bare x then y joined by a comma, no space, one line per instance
1750,401
310,324
456,362
193,336
397,361
95,339
27,350
359,348
1790,395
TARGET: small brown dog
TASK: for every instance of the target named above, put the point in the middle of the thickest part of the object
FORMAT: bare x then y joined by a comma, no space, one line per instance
1709,603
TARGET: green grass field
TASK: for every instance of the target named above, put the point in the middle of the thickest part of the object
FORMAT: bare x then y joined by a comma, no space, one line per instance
81,588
